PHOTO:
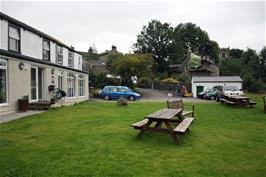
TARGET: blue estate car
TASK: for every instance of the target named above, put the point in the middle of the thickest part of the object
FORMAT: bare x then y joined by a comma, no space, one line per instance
115,92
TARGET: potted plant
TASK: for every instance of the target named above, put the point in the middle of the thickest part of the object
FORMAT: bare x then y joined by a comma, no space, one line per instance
23,103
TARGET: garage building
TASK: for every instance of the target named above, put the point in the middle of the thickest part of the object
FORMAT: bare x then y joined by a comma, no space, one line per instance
201,83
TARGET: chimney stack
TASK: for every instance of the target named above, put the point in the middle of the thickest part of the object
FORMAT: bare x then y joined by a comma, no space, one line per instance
113,48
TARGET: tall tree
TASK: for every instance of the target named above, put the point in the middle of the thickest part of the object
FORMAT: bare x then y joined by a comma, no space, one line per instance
156,39
131,65
195,39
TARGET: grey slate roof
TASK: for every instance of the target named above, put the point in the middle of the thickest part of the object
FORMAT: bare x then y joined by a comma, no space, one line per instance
217,79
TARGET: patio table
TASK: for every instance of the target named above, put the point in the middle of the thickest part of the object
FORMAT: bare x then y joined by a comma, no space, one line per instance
166,116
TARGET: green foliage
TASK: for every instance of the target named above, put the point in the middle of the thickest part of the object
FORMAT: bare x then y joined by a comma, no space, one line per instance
144,82
131,65
195,39
95,139
170,45
156,38
249,66
111,58
231,67
235,53
99,80
170,79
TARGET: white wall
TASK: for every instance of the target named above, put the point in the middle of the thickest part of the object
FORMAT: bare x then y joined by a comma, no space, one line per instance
65,57
77,65
31,44
52,51
3,34
212,84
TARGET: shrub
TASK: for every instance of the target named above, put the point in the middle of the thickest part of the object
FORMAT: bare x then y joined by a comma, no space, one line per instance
144,82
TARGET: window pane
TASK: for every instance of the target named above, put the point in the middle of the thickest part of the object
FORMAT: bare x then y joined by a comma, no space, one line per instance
13,44
13,32
33,84
46,55
70,59
46,45
3,93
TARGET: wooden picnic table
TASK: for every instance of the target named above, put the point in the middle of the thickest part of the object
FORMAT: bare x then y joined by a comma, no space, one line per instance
239,100
164,116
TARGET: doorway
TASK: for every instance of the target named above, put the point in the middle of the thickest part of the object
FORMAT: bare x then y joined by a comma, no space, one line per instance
199,89
36,84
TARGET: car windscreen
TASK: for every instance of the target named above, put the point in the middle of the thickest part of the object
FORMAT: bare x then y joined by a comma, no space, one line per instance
226,88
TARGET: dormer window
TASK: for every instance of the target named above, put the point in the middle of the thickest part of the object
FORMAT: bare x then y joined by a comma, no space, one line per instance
59,54
70,59
13,38
46,49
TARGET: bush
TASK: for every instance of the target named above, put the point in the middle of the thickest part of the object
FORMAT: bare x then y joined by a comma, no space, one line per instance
144,82
170,79
100,80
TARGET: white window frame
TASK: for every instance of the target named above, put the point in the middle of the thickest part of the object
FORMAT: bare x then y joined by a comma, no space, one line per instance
71,83
70,59
5,68
60,75
81,78
18,39
59,55
44,49
37,85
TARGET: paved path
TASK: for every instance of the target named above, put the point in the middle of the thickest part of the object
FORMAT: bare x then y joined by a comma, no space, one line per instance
17,115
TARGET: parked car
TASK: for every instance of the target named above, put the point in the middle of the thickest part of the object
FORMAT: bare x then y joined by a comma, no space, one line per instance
201,94
229,91
116,92
211,94
232,91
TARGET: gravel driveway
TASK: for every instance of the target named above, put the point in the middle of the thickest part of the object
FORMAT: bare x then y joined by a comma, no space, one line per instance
163,95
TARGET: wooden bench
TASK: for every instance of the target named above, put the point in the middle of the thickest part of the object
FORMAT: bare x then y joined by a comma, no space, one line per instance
183,126
140,124
252,103
177,104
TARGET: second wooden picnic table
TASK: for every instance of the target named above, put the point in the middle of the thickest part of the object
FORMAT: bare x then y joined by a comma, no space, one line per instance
240,100
166,116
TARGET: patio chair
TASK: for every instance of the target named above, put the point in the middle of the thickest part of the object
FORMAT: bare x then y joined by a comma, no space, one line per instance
178,103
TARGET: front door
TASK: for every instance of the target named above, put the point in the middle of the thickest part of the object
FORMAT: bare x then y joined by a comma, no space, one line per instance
36,84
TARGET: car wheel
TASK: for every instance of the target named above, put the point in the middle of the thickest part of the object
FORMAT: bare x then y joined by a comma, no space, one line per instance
212,97
107,97
131,98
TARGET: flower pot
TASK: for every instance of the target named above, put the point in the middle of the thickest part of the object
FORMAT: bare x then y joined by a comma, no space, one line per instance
23,105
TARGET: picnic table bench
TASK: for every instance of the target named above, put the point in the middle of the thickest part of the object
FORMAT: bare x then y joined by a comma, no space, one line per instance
237,100
168,117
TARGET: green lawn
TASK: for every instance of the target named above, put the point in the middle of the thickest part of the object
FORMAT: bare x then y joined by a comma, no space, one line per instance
95,139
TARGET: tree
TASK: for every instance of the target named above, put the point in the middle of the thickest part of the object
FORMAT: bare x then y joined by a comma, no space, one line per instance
156,39
235,53
262,64
111,58
131,65
195,39
250,66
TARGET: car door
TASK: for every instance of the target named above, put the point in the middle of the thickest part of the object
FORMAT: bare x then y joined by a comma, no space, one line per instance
114,93
122,92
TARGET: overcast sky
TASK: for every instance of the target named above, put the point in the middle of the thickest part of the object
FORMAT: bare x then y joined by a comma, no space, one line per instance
84,23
